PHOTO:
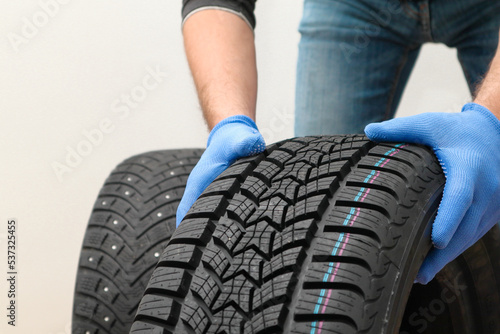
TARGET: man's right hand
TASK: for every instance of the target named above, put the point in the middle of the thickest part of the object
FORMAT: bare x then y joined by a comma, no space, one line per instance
232,138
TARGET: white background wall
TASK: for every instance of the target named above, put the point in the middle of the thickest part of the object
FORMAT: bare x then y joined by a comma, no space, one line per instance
63,79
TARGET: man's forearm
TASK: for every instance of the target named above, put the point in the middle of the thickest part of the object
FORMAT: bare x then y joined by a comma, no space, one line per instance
488,94
220,50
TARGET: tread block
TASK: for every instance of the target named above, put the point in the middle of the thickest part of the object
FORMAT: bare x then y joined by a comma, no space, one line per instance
298,171
293,145
320,275
238,291
266,170
210,206
285,188
280,156
227,233
298,234
270,320
287,261
338,247
205,287
161,308
327,185
344,153
249,262
179,255
278,290
393,166
307,156
93,285
271,210
337,327
172,281
364,221
228,321
214,259
194,317
240,208
368,197
97,312
259,236
321,304
337,168
239,171
310,207
391,183
253,187
141,327
221,187
193,230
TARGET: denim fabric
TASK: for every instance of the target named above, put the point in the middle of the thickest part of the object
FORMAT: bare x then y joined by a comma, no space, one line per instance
355,56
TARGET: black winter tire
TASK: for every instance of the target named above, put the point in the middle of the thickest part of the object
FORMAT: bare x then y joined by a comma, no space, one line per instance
132,220
318,235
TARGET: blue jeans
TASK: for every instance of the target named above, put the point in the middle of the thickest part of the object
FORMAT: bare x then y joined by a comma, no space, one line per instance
355,56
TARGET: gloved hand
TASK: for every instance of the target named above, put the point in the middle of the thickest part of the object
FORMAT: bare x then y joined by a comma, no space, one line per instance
467,145
232,138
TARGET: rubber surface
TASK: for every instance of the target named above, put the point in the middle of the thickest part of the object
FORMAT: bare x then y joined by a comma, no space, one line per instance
132,220
463,298
315,235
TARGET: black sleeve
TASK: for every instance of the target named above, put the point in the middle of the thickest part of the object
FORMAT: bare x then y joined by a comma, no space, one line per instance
243,8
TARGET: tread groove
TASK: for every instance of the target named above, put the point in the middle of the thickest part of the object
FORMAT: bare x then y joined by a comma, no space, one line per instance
363,205
353,230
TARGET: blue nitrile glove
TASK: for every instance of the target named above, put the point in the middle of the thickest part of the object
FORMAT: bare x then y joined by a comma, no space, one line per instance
232,138
467,145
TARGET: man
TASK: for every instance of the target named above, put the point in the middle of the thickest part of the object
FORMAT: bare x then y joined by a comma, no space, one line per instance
355,57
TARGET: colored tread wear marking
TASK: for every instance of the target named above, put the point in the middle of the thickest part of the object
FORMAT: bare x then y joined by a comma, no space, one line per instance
354,211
